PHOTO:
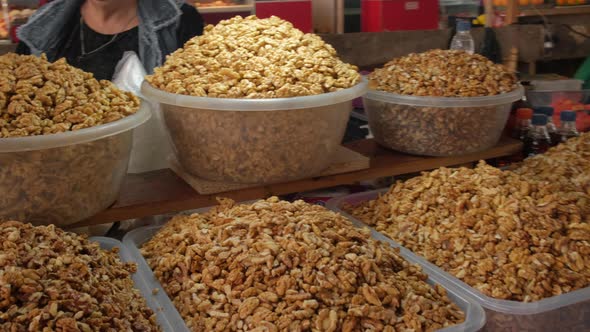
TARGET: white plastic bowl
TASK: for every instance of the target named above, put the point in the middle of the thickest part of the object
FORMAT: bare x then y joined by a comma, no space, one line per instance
66,177
438,126
255,140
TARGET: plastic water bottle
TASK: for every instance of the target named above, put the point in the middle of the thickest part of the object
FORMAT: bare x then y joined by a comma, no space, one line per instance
463,39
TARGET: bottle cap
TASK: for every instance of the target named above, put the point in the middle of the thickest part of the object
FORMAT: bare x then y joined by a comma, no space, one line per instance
463,26
524,113
544,110
539,119
568,116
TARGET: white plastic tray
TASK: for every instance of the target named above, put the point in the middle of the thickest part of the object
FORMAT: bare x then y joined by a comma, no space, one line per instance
474,314
164,317
566,312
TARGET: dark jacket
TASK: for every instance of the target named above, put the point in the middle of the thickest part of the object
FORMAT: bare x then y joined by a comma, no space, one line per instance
164,26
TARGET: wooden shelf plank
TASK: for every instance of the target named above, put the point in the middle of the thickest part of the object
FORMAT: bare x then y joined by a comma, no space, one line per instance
162,191
555,11
566,10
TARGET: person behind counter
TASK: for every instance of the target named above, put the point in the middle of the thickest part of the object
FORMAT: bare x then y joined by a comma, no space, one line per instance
93,34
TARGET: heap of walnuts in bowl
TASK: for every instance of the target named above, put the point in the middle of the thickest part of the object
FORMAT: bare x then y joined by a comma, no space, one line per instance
254,58
255,62
38,97
440,103
443,73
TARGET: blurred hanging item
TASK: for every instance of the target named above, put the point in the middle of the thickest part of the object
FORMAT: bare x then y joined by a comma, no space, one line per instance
490,47
4,20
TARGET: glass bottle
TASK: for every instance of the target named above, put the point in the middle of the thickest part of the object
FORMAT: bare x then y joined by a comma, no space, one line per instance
523,123
537,141
567,129
551,127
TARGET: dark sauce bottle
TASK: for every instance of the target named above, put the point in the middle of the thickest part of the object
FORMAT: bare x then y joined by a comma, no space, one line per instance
537,141
567,129
551,128
523,123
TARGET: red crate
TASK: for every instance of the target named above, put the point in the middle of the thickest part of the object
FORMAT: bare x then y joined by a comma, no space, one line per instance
395,15
297,12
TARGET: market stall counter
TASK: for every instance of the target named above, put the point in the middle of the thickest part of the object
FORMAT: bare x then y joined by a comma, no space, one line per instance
162,191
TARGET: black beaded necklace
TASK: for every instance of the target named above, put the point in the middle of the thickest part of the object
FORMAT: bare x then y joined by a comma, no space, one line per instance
83,52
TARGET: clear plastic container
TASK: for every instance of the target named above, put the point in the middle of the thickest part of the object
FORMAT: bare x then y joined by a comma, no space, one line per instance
558,99
474,315
163,317
255,141
557,85
566,312
135,239
438,126
64,178
565,100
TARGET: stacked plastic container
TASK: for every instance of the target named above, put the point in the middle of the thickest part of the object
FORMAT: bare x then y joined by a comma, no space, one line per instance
566,312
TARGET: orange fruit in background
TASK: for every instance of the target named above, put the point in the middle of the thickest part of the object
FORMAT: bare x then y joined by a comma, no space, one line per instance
523,2
572,2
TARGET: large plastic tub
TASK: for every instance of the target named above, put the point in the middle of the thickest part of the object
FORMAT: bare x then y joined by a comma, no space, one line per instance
255,140
438,126
64,178
566,312
163,316
474,315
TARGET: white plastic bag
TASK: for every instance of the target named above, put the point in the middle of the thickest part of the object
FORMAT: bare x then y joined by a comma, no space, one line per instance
151,144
